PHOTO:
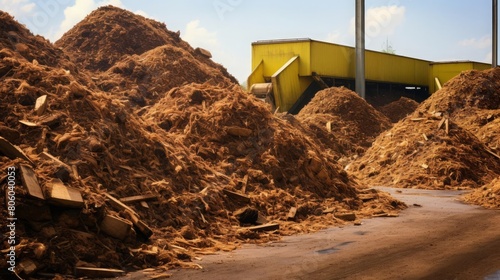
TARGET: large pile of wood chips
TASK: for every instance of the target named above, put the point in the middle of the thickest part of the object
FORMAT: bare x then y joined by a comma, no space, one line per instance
133,155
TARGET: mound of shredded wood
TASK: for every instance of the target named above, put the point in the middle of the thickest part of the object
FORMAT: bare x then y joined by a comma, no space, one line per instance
342,120
399,109
428,151
487,196
105,35
471,99
104,186
142,79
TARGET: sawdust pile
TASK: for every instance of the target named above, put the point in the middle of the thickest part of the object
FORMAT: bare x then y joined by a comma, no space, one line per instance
343,121
144,78
108,33
418,152
472,99
201,156
399,109
487,196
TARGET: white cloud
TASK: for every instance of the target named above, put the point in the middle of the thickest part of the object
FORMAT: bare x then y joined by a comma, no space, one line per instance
334,37
18,8
77,12
198,36
142,13
381,21
477,43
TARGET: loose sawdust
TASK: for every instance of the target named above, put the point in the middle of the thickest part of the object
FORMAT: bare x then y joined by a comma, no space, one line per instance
399,109
203,135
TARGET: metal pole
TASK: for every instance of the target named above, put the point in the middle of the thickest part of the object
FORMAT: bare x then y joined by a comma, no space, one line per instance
360,48
494,53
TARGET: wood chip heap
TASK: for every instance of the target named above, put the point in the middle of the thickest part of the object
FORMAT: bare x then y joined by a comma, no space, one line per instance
133,154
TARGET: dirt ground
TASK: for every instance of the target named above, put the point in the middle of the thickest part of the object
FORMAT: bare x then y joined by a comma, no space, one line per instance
438,237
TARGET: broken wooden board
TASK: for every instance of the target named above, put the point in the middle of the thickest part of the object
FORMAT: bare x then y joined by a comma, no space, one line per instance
30,182
418,119
28,123
266,227
132,215
26,267
387,215
41,105
92,272
492,153
236,196
138,198
62,195
52,120
346,216
238,131
116,227
12,151
328,210
440,124
367,197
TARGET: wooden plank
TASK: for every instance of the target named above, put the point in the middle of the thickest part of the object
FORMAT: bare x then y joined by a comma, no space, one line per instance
12,151
328,210
266,227
329,126
117,204
367,197
138,198
440,124
52,121
492,153
26,267
92,272
28,123
30,182
447,126
291,213
236,196
41,105
245,184
345,216
116,227
132,215
65,196
238,131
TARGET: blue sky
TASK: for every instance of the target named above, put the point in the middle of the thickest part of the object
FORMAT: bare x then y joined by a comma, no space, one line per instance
438,30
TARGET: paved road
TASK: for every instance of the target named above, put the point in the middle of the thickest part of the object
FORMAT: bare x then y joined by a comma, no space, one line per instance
443,239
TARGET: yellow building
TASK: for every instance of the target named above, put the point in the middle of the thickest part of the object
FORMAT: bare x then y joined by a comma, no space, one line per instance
295,69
